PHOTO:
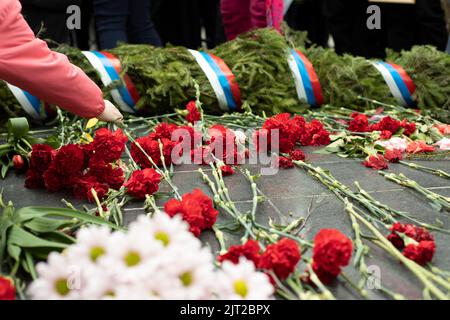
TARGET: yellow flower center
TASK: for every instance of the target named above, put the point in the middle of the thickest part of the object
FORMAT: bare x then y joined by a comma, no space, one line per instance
132,259
96,252
186,279
240,287
163,237
61,287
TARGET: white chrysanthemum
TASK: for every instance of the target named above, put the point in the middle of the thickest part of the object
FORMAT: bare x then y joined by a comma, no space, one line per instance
166,231
242,282
128,259
58,279
92,244
192,275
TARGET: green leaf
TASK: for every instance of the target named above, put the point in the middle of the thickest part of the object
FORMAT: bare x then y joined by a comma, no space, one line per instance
19,237
29,213
14,251
18,128
41,224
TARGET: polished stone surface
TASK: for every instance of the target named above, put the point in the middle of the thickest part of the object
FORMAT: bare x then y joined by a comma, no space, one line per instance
289,195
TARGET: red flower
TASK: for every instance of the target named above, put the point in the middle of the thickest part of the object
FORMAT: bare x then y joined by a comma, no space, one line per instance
414,232
281,257
7,289
227,170
41,157
376,162
314,134
69,160
385,135
107,173
163,130
288,131
332,251
142,183
421,253
297,155
388,124
83,187
360,123
193,115
444,129
151,148
196,209
54,180
249,250
393,155
108,146
408,127
284,163
419,146
18,162
34,179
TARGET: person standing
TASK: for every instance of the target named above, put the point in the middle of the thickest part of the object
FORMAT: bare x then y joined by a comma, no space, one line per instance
241,16
127,21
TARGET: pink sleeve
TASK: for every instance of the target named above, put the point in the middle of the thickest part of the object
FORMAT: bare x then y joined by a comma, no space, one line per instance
29,64
235,17
267,13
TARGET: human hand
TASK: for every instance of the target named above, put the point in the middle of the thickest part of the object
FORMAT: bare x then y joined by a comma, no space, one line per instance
110,114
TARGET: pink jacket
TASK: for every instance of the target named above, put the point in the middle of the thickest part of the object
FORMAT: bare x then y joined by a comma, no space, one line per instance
29,64
240,16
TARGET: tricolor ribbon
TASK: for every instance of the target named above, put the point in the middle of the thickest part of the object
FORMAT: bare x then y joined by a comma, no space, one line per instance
221,79
30,104
108,66
306,81
399,82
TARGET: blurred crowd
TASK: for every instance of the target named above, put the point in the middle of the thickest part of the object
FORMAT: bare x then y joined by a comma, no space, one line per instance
207,23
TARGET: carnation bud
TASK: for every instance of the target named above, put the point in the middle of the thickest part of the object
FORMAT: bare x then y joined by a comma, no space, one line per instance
18,162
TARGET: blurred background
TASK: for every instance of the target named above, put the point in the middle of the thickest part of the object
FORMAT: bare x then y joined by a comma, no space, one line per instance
341,24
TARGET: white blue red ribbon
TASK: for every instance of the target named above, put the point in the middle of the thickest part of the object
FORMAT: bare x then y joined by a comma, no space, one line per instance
30,104
108,66
306,81
221,79
399,82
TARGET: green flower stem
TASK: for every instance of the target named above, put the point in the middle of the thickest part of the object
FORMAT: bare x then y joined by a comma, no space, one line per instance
437,172
422,274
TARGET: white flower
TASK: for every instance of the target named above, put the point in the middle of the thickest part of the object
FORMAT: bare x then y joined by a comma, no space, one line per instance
163,230
444,144
58,280
192,273
394,143
243,282
92,244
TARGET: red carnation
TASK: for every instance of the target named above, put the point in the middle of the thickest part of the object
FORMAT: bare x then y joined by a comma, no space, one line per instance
193,113
418,147
83,187
151,148
281,257
108,146
142,183
41,157
332,251
107,173
288,131
421,253
388,124
360,123
34,179
163,130
408,127
376,162
227,170
297,155
385,135
393,155
55,181
249,250
69,160
7,289
18,162
196,209
284,163
314,134
414,232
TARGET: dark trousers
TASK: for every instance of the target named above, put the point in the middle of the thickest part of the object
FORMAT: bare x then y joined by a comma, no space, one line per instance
127,21
402,26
